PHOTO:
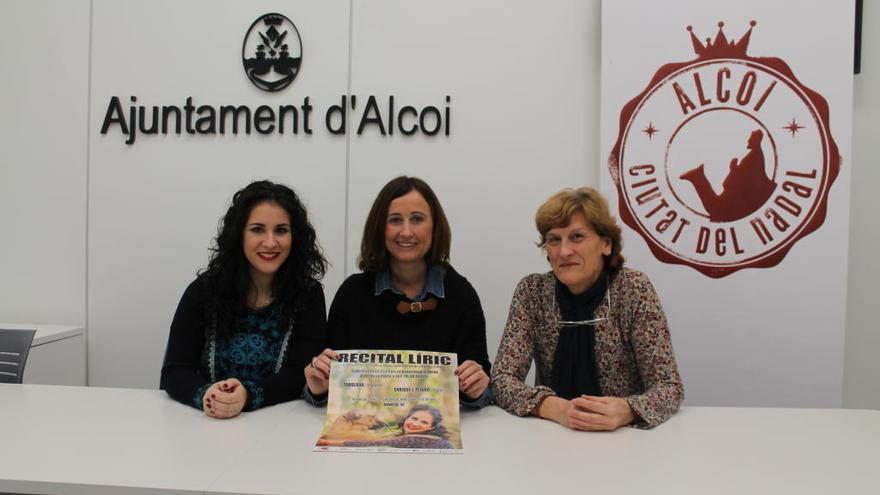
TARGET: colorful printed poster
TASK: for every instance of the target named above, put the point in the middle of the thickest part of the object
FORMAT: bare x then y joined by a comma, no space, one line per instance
392,401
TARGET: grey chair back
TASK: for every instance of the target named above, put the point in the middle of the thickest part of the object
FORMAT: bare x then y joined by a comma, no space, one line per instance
14,347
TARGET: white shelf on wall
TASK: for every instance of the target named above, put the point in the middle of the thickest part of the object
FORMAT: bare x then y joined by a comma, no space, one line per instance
57,355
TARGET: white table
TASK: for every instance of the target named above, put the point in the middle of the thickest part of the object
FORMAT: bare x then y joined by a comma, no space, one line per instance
97,440
57,355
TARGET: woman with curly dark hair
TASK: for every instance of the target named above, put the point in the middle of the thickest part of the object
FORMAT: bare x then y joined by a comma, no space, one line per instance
250,322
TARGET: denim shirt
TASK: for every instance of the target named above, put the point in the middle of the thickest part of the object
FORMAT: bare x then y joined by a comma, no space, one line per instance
433,284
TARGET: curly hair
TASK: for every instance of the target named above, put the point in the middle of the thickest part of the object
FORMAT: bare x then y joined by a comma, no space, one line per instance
558,210
227,277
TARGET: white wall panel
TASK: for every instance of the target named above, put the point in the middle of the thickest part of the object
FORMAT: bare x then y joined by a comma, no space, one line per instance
154,205
524,123
44,47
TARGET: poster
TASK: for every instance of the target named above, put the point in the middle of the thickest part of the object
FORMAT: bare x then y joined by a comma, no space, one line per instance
726,153
392,401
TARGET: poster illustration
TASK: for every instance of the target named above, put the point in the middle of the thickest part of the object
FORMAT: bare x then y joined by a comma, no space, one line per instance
392,401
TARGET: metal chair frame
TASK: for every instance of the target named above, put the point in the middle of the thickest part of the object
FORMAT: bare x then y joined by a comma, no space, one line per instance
14,348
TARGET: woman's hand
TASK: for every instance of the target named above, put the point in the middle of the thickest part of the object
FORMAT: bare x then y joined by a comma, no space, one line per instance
472,379
588,413
225,399
606,413
318,372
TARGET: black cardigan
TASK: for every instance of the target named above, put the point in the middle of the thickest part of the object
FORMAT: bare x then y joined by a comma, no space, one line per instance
361,320
184,373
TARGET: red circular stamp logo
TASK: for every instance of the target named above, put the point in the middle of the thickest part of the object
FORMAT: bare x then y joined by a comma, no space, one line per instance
724,162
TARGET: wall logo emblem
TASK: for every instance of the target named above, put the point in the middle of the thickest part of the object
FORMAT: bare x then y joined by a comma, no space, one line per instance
272,52
724,162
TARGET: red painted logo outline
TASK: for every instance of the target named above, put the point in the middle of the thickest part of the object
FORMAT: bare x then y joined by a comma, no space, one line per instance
718,51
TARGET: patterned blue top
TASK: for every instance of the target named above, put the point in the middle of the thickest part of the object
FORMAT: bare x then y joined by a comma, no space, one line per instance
267,350
257,349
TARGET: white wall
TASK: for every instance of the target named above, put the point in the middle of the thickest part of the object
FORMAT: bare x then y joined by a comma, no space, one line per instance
524,78
163,195
44,46
862,370
521,123
154,205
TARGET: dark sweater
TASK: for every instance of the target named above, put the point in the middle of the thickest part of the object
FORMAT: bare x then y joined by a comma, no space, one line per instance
361,320
261,354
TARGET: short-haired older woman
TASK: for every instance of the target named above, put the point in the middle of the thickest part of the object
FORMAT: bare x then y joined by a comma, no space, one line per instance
595,329
408,296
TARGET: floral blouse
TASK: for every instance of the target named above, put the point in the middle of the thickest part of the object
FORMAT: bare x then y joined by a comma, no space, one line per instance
633,349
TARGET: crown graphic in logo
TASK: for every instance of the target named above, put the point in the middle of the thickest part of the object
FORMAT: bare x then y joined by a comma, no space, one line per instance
272,52
273,20
721,47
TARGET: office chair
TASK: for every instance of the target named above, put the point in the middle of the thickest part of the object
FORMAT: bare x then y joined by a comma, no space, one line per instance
14,347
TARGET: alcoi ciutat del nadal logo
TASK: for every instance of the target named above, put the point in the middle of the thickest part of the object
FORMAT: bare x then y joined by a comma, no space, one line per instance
724,162
272,52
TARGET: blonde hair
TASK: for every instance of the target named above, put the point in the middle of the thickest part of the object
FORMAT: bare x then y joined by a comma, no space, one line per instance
557,212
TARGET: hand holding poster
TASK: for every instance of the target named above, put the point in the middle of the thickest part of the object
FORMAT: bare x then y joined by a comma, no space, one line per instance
392,401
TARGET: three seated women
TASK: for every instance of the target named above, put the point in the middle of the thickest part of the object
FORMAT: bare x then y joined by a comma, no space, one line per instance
249,331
